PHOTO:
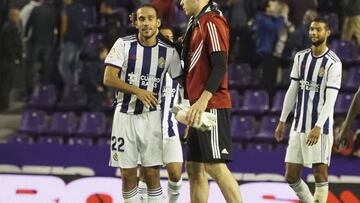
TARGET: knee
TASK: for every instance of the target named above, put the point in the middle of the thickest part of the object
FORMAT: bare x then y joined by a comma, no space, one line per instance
175,176
129,175
152,173
216,171
320,176
195,171
291,178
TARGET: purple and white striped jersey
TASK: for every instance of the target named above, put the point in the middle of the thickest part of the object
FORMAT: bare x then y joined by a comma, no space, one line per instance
315,75
144,67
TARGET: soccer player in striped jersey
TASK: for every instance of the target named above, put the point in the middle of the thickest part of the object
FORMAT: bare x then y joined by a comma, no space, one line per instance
136,67
316,80
172,151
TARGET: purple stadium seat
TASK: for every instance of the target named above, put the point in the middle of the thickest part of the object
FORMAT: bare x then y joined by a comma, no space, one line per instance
353,79
345,50
46,140
43,97
278,102
92,124
235,98
343,103
19,139
33,122
239,75
255,102
63,123
267,129
108,129
73,98
243,128
80,141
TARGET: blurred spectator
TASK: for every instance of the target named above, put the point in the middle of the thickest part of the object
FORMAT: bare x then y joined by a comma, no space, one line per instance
10,54
299,40
26,12
298,9
115,26
92,78
72,35
267,26
44,21
240,33
351,24
166,10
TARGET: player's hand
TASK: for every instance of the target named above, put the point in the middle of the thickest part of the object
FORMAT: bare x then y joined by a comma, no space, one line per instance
341,139
193,116
313,137
147,98
279,131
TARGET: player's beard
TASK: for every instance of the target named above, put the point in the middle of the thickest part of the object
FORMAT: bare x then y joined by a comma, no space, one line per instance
150,35
319,42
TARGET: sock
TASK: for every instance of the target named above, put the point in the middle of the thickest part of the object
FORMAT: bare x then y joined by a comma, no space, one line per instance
142,190
321,192
131,196
302,191
174,190
155,195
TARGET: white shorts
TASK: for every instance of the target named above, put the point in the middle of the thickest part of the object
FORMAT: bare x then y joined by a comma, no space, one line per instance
172,150
135,136
300,153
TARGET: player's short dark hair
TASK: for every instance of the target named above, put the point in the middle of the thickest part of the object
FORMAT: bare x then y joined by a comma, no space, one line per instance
150,6
322,20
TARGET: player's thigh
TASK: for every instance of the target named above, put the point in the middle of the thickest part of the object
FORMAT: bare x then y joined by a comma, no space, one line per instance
195,169
294,151
123,145
150,141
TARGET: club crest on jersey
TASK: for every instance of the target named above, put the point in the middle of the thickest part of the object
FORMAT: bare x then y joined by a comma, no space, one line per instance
115,157
321,72
161,62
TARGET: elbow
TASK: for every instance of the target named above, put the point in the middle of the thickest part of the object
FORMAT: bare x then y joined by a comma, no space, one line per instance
107,80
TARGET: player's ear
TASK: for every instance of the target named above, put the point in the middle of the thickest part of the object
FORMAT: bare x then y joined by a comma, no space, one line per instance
158,22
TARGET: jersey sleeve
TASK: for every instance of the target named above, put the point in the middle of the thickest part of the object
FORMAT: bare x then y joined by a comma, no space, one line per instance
334,76
175,69
116,55
294,75
217,35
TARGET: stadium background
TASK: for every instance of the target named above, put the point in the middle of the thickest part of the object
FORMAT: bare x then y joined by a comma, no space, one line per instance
54,143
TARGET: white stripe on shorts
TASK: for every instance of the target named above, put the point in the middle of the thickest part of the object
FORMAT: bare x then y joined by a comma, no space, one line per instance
215,138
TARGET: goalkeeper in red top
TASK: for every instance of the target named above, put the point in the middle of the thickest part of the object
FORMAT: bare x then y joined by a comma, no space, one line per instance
205,55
